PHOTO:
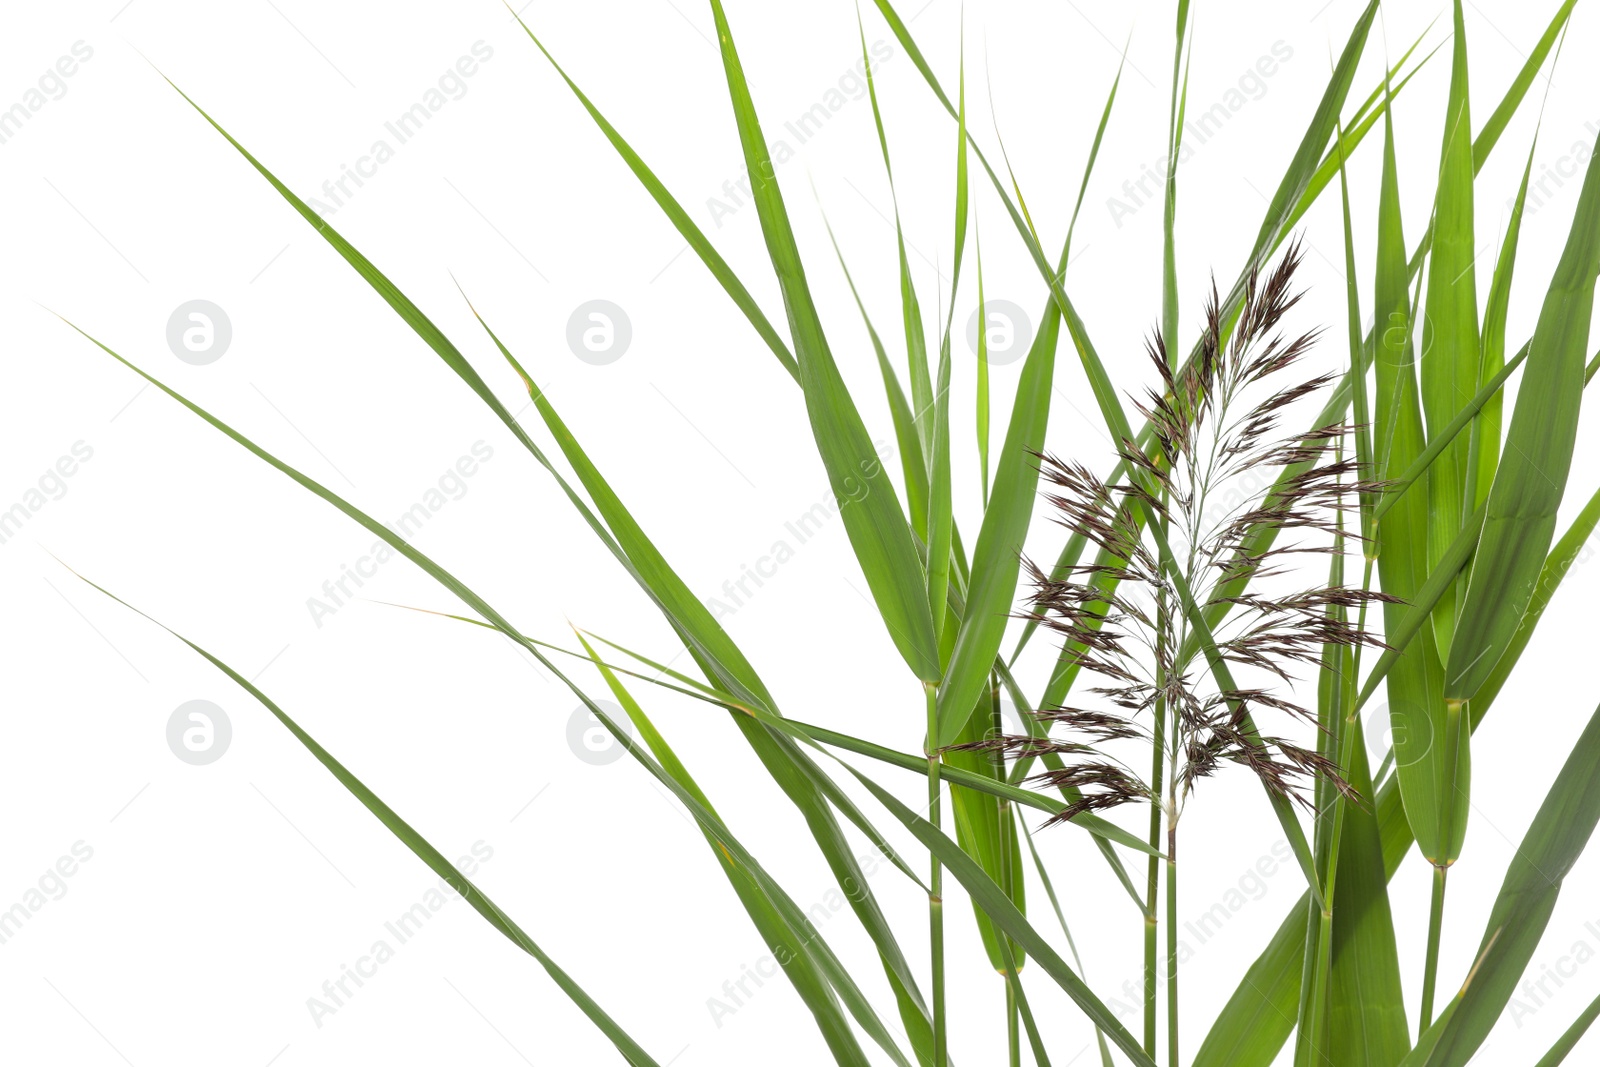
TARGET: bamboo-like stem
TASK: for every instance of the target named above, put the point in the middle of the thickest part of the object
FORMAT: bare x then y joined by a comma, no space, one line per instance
1003,828
1172,928
941,1053
1153,878
1308,979
1013,1034
1430,971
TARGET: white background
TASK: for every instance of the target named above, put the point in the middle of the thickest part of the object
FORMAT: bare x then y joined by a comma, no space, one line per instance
218,899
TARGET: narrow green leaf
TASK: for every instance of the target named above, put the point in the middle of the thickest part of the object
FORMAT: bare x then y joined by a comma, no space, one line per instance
910,308
873,520
1008,510
1569,1040
983,381
1556,566
1062,565
1485,444
1489,136
1415,674
1553,843
1260,1014
790,936
801,781
784,763
1366,1017
913,468
1532,475
1061,919
1450,345
1005,915
424,850
680,218
1397,486
997,556
986,829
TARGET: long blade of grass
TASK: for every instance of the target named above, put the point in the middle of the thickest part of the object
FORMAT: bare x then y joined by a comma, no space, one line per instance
1259,1016
910,308
913,468
1395,488
1262,539
1533,882
1415,677
1450,338
1083,187
840,1038
680,218
1008,510
941,521
994,901
1485,444
805,785
424,850
1569,1040
870,508
1367,1024
1489,136
1357,1010
1066,932
1532,476
1100,828
790,936
996,558
982,387
986,830
1556,566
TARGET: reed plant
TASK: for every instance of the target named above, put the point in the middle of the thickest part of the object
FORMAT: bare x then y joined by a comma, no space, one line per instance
1407,544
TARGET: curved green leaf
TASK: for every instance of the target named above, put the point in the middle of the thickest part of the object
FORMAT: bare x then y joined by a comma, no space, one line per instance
871,511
